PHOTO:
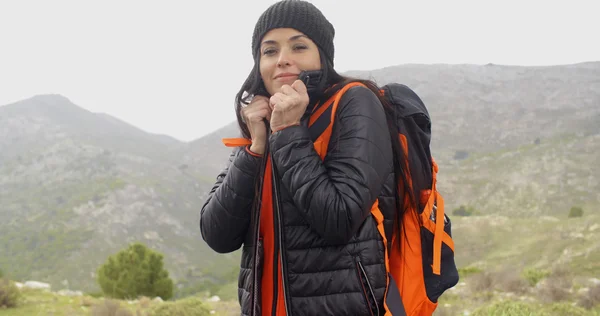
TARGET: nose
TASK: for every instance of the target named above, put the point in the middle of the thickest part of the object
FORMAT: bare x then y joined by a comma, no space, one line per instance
284,58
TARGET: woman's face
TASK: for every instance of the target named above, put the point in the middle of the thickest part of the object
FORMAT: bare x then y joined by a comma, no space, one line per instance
284,53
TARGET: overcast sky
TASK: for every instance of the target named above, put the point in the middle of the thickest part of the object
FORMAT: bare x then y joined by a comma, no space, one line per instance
173,67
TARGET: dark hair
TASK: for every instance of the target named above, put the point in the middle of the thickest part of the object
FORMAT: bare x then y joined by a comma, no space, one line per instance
253,85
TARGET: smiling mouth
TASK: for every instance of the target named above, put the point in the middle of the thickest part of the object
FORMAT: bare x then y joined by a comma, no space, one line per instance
284,76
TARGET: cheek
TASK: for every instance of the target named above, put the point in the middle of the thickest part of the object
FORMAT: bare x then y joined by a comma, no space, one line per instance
266,72
314,62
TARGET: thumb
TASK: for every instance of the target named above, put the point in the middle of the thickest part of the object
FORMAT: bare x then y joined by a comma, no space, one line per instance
299,86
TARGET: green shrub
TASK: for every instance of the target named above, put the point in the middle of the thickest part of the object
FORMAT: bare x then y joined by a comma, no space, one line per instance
559,309
533,276
9,294
576,211
133,272
191,306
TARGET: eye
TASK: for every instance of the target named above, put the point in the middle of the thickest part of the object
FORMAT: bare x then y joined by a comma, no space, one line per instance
300,47
269,51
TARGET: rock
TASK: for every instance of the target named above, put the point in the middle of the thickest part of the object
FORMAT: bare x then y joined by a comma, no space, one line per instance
594,281
157,299
37,285
549,218
19,285
152,235
577,235
594,227
214,299
70,293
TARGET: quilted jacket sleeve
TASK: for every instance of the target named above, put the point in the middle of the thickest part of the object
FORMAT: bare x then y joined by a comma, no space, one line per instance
335,195
225,216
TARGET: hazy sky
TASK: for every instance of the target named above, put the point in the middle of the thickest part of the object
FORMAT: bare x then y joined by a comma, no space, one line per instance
173,67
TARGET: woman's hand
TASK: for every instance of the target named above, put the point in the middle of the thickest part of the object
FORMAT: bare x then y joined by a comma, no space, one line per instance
253,115
288,105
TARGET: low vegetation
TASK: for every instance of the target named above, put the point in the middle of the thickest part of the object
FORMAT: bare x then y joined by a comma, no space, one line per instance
134,272
9,294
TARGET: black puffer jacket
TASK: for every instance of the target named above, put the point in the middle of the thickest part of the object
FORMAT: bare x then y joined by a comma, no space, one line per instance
333,255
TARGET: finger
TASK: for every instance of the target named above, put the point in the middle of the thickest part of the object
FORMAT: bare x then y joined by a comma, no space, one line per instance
299,87
275,99
259,115
258,106
262,114
257,103
263,104
259,99
288,90
244,114
278,96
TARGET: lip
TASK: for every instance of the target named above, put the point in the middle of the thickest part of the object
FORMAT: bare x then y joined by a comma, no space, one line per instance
286,75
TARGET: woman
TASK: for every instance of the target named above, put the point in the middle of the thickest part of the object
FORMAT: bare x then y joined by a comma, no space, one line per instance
312,248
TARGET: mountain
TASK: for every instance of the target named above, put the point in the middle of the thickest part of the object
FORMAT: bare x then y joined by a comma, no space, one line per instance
486,108
76,186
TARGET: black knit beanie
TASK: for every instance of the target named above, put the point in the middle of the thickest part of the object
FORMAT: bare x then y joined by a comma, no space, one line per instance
300,15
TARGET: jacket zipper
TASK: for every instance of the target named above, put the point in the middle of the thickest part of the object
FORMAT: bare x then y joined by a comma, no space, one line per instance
255,285
275,269
362,275
257,240
279,238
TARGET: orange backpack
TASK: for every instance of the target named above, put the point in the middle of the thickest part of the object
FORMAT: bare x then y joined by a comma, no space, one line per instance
423,267
420,257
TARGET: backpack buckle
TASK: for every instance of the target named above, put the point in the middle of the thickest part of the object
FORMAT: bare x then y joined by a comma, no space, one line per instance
434,212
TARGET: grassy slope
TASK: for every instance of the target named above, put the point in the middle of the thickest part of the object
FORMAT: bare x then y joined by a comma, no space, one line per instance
39,302
531,180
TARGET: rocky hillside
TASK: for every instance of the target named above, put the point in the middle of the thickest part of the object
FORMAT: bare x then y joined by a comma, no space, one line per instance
76,186
491,107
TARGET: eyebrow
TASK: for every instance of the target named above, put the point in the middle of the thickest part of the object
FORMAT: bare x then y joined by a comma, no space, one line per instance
293,38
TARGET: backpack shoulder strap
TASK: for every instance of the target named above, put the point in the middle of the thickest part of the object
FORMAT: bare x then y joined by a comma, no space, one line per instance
321,121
